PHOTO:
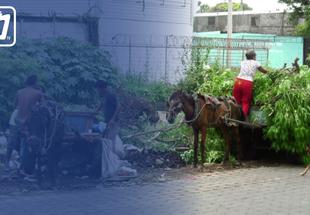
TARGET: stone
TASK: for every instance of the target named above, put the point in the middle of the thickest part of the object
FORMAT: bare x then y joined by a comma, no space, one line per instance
159,162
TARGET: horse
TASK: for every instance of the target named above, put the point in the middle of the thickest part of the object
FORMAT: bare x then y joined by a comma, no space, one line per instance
43,139
202,112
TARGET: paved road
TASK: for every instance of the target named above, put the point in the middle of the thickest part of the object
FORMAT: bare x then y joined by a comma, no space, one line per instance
264,190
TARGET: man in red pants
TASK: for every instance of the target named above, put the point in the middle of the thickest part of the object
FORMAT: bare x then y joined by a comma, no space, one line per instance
243,87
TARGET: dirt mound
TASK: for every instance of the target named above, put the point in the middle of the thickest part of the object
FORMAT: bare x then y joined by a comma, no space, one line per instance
133,108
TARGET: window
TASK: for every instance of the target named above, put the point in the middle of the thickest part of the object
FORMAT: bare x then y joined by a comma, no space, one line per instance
211,21
254,21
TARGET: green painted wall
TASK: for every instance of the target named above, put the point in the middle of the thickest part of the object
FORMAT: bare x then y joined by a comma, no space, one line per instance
283,49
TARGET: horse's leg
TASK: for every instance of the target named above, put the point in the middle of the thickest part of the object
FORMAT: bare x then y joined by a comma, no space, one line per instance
239,147
203,145
225,134
39,169
196,133
52,161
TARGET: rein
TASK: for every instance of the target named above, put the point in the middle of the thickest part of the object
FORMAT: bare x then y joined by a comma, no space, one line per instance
195,117
49,131
47,146
197,113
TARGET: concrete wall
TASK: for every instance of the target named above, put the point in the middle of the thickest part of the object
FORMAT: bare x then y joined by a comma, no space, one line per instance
47,7
54,18
136,32
264,23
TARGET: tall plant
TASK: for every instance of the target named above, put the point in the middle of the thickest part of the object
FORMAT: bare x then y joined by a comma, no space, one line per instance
194,62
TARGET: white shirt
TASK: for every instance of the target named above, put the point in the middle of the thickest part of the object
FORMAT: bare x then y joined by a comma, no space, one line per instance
13,118
248,69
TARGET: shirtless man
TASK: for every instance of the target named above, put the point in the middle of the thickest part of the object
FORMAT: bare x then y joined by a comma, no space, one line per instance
25,99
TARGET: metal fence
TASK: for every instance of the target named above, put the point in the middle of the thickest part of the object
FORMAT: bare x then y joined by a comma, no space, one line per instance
164,58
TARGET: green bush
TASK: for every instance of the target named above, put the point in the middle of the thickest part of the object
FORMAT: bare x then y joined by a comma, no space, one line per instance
67,69
152,91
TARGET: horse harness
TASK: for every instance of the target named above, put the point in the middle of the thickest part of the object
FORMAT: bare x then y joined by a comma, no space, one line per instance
215,103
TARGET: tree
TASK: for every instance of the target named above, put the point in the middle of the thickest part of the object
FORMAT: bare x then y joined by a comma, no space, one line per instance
221,7
203,8
301,9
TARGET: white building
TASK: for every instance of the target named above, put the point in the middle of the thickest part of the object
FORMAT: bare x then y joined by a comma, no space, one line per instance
263,22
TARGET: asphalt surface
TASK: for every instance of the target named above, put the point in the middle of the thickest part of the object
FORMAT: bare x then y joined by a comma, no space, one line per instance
264,190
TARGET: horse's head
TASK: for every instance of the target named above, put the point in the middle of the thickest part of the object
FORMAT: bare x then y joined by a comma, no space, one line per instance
175,105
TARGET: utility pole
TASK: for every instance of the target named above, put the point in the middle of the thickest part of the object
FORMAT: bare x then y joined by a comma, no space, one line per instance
229,32
241,5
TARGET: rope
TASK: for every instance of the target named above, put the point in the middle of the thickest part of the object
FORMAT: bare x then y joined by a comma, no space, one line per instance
48,141
243,122
167,128
155,130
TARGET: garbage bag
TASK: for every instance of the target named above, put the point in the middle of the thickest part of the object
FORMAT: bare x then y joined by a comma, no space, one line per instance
118,147
110,161
112,165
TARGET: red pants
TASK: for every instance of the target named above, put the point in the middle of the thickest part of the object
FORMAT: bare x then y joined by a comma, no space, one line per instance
243,94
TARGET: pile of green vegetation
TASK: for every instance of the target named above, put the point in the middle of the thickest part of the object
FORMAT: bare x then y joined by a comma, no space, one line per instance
282,97
285,101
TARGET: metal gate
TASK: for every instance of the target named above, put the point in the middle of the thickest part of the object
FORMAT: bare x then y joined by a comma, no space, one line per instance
306,50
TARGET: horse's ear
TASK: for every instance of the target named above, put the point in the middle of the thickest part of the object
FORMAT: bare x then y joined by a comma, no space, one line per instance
180,92
167,104
208,100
